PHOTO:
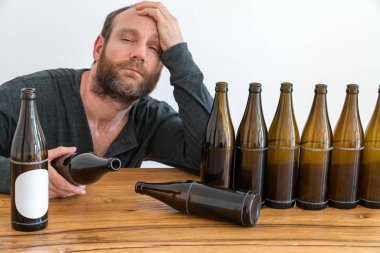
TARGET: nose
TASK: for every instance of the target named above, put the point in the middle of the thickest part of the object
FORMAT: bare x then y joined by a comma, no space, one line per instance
139,52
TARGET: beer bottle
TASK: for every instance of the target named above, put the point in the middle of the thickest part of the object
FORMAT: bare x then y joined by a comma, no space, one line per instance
369,175
85,168
283,154
191,197
29,169
347,153
251,145
218,142
316,146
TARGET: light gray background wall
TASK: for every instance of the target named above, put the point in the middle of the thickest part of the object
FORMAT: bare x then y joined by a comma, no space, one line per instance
302,41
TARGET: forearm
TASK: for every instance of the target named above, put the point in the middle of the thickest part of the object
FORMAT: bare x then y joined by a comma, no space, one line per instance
194,100
4,175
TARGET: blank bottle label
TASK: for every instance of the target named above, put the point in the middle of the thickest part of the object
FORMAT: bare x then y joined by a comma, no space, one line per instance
32,193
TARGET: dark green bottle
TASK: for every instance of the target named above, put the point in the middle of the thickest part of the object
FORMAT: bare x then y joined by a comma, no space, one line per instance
347,153
283,153
316,147
195,198
29,169
251,145
218,142
369,175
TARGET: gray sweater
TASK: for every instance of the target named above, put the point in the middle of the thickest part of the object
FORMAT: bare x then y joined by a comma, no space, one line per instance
154,130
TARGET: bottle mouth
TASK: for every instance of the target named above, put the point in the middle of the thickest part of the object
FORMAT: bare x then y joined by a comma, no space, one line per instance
255,87
286,87
320,88
115,164
28,93
139,186
221,86
352,88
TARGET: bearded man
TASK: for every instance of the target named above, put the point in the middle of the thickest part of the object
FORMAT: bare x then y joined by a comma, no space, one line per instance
107,109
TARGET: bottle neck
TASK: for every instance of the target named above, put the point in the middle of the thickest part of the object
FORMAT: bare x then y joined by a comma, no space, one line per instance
372,136
28,112
283,130
28,142
319,108
285,106
221,101
349,131
254,104
317,131
350,106
220,107
376,113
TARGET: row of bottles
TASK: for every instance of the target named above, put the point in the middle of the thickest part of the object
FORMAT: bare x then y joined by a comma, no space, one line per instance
316,169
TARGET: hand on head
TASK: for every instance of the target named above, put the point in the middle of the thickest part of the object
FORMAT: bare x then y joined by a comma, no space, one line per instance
167,25
58,185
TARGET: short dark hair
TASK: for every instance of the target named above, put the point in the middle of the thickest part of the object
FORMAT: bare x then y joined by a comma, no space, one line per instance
108,23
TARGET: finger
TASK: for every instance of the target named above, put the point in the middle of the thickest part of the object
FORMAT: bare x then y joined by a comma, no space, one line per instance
153,5
153,13
60,187
60,151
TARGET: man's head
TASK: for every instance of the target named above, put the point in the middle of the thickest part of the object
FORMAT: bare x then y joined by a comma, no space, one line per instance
127,57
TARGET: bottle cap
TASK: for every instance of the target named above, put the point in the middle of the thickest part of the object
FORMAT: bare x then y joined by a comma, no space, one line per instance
352,88
320,88
286,87
28,93
221,86
255,87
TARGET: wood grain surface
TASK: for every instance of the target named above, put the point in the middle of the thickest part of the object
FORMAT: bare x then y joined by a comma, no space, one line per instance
113,218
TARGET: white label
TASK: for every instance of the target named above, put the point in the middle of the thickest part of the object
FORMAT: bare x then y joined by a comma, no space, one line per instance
32,193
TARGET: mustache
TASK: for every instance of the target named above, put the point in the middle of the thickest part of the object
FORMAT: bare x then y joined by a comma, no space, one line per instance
132,64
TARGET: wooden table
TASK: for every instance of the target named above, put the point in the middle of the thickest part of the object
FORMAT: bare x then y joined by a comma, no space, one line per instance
113,218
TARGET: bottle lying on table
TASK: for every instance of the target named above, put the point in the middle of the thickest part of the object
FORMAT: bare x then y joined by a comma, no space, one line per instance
85,168
191,197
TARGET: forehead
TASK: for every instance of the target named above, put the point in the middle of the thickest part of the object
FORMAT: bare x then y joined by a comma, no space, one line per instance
129,19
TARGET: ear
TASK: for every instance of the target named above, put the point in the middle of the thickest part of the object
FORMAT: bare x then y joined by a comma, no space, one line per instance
98,47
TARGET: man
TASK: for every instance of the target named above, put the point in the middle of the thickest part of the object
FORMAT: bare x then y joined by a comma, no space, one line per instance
106,109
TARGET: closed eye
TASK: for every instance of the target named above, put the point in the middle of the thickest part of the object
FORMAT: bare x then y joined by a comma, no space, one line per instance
154,49
127,39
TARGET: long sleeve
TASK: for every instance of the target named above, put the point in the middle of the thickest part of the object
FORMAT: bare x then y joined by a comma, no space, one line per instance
4,175
8,121
178,140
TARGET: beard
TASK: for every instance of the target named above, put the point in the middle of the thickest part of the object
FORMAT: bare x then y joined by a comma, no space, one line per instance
110,84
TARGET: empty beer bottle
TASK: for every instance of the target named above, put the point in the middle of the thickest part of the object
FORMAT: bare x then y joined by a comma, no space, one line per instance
191,197
251,145
347,151
85,168
283,154
29,169
369,175
316,146
218,142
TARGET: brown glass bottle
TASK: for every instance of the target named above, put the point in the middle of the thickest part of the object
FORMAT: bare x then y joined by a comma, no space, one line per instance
85,168
29,169
191,197
218,142
283,154
251,145
315,157
347,153
369,175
